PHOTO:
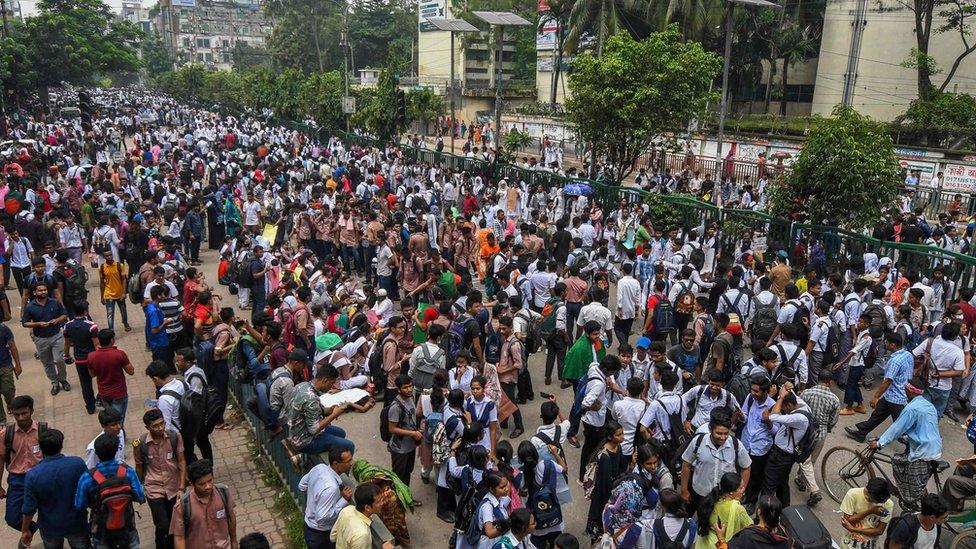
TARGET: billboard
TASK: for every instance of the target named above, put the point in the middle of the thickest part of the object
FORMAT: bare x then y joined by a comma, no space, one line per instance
431,9
545,40
959,178
185,3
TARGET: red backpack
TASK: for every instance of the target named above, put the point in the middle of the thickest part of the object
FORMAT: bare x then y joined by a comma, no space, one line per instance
113,514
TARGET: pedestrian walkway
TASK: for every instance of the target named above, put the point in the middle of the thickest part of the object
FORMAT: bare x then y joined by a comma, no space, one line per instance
233,465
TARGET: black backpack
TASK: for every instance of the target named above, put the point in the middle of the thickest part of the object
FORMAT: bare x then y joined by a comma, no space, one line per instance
75,278
677,438
533,339
193,408
212,407
832,350
385,433
804,447
375,364
661,539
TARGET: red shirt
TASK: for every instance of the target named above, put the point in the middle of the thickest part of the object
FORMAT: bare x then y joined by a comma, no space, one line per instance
968,313
106,363
430,313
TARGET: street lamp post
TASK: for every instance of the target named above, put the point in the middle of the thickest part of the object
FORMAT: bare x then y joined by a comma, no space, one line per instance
453,26
500,19
723,109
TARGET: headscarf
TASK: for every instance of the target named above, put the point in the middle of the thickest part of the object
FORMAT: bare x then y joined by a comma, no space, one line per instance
363,471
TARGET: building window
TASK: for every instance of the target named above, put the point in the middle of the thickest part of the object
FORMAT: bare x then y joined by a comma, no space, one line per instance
226,58
200,57
226,43
203,42
186,42
209,57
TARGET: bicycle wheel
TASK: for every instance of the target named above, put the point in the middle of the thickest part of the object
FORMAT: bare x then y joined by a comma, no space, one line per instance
842,469
964,540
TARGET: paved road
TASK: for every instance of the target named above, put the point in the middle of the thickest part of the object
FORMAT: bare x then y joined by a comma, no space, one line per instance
66,411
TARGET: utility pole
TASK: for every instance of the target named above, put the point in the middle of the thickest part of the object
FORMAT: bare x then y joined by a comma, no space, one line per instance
498,90
345,55
857,33
724,106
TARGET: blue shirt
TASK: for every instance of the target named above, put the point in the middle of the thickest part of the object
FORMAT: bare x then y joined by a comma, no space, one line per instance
154,318
757,437
899,371
85,494
35,312
44,494
919,421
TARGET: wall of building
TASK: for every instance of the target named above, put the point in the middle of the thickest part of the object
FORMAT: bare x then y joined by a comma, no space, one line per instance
883,87
205,31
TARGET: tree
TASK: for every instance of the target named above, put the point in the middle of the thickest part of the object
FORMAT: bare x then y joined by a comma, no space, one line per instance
377,27
846,174
423,105
322,99
597,18
514,142
245,56
937,17
16,65
637,90
946,120
78,40
299,24
156,58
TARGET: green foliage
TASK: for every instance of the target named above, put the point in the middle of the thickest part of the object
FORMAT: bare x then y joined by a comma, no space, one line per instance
944,120
514,141
637,90
423,105
245,56
845,175
664,214
78,40
380,27
322,99
17,70
305,34
156,58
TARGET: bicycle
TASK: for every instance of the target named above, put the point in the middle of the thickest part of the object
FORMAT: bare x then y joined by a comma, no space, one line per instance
843,468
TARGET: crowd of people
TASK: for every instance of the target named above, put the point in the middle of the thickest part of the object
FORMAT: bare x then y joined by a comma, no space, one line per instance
698,379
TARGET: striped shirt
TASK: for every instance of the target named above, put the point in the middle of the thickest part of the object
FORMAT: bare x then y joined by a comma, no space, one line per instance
824,406
173,310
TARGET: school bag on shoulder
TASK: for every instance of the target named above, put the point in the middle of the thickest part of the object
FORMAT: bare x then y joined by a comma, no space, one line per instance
832,350
533,339
144,448
663,317
423,373
471,495
441,441
8,439
385,433
663,541
211,408
452,341
803,448
113,517
764,321
548,325
193,407
185,501
735,316
684,302
543,503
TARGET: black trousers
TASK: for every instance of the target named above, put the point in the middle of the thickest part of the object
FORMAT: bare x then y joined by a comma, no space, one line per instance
201,441
757,473
776,481
884,410
446,502
555,356
592,439
162,515
402,465
622,328
509,389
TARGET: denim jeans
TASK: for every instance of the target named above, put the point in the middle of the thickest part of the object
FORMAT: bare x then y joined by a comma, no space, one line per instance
133,541
938,397
75,541
330,437
350,258
268,416
120,404
852,391
110,312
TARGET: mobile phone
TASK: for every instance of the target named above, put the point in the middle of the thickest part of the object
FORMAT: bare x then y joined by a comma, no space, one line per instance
544,394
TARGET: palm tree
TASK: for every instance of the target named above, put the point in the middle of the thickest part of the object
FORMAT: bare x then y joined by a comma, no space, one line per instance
795,43
599,18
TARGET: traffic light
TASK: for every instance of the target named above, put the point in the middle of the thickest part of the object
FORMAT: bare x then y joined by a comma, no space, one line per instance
87,109
401,109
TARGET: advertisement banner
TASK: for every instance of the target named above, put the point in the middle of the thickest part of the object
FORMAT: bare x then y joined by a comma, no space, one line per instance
959,178
431,9
926,169
545,40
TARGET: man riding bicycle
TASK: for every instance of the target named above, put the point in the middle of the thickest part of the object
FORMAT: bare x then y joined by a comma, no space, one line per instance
919,423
